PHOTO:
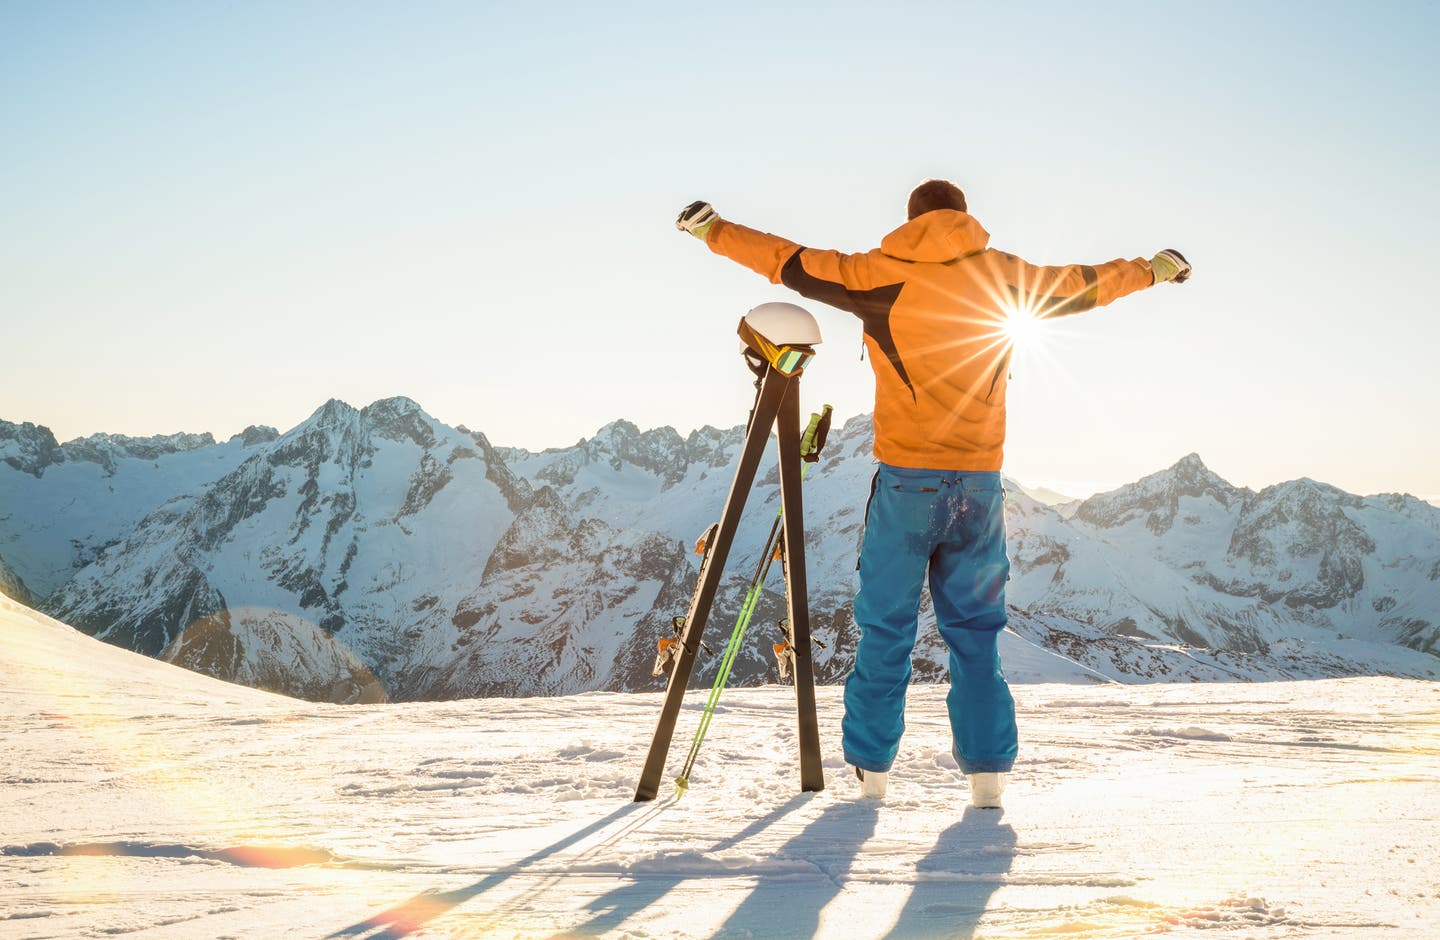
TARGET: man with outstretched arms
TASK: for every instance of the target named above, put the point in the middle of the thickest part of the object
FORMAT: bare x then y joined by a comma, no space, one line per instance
933,300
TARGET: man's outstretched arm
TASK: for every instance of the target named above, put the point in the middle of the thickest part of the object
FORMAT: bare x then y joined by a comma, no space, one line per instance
1074,288
819,274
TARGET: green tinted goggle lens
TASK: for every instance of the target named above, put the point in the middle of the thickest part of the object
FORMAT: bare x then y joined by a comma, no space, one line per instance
791,361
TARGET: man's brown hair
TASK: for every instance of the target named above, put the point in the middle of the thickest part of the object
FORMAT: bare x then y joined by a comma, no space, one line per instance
935,194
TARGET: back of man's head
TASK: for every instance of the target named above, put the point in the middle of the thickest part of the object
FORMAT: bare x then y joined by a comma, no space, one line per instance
935,194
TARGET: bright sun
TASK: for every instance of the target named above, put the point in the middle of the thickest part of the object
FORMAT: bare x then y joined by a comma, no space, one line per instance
1022,327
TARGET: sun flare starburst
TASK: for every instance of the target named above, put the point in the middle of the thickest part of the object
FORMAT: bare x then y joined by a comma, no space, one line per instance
1021,327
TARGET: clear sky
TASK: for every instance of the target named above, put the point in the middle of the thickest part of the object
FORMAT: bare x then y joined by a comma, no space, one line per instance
218,214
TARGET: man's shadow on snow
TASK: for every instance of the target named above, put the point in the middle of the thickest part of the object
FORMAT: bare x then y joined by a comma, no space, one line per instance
954,882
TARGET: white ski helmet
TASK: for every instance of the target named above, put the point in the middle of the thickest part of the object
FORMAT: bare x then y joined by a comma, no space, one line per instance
781,334
784,324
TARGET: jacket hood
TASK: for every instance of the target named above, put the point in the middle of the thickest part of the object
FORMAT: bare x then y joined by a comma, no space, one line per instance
939,235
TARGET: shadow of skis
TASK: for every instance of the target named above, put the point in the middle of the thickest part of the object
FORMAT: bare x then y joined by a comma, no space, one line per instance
404,919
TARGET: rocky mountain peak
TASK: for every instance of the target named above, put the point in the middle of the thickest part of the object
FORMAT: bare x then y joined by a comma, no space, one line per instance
1304,519
1190,475
1190,464
712,447
330,412
660,451
29,448
617,433
255,434
333,414
334,432
400,419
1300,506
1157,497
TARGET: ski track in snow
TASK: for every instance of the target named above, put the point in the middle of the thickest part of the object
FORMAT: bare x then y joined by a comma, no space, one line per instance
143,799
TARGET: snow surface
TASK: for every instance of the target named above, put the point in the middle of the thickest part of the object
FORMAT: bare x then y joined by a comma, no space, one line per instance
142,798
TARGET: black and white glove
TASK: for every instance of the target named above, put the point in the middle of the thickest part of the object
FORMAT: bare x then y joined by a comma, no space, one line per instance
697,218
1170,265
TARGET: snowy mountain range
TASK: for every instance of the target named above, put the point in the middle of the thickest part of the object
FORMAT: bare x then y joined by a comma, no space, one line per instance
378,553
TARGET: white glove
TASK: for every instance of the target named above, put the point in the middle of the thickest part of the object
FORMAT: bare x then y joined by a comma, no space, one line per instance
697,218
1170,265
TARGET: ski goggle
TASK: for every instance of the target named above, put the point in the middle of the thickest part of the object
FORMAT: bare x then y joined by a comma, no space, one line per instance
787,359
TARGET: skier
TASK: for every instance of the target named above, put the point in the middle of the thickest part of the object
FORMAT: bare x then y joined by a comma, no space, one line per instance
933,300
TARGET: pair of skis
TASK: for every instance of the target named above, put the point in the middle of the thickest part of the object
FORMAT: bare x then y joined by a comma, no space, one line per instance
811,443
777,406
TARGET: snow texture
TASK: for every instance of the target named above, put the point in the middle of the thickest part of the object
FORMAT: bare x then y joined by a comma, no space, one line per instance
145,799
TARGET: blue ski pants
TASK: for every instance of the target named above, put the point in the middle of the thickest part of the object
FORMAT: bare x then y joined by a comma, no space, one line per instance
950,524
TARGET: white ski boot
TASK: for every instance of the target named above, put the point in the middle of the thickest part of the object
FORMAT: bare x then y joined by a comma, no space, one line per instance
985,790
872,783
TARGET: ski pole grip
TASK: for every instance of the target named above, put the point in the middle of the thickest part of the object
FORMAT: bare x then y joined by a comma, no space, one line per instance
813,440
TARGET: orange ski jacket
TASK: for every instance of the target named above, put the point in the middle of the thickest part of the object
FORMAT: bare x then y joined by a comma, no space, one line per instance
933,299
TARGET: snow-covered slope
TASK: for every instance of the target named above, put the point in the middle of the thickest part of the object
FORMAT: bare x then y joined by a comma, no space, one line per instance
144,799
380,552
44,658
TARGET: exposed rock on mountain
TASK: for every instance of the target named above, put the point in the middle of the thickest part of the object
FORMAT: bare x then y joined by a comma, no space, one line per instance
661,453
256,434
1156,498
12,586
561,611
32,449
262,649
1303,526
107,450
28,448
